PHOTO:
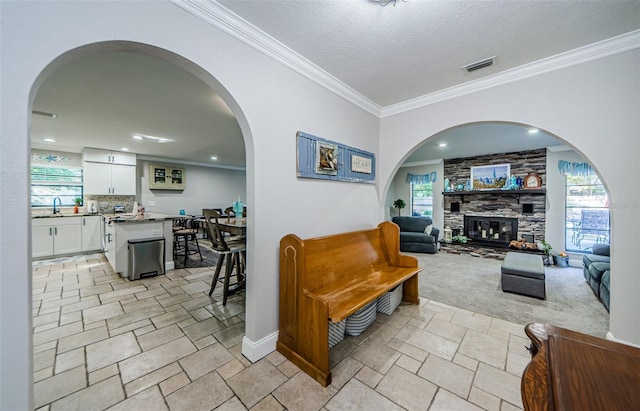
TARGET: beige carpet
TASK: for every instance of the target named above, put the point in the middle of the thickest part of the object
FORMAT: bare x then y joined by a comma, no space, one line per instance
473,283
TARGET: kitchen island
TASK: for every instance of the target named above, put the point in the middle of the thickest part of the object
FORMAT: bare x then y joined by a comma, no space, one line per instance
120,228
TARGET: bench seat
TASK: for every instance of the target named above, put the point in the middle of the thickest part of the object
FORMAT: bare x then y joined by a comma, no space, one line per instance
345,299
325,280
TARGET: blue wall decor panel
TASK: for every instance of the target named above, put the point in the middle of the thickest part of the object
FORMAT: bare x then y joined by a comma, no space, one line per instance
329,160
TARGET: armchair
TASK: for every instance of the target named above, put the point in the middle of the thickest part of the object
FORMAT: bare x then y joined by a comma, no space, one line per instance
417,234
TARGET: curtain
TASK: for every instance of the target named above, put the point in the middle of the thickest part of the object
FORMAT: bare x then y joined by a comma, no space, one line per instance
575,169
421,178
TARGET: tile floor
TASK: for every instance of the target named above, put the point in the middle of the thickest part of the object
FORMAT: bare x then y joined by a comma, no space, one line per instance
101,342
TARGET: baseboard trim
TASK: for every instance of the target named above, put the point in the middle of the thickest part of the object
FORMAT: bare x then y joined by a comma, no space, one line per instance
610,336
259,349
169,265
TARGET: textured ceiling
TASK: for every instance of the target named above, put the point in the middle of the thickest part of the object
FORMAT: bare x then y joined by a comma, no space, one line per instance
387,54
393,54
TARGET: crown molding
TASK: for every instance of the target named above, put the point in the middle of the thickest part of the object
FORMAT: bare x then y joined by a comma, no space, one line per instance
559,148
224,19
605,48
422,163
187,162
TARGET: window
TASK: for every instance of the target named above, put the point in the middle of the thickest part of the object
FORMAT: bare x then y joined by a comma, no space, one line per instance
587,213
49,182
422,199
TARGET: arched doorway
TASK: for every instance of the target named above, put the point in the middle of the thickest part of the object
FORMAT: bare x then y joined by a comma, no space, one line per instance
206,78
527,149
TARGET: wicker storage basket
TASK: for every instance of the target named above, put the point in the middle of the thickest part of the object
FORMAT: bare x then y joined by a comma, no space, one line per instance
361,319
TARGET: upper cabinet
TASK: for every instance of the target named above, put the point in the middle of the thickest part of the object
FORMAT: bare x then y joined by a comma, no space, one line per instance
166,178
95,155
109,172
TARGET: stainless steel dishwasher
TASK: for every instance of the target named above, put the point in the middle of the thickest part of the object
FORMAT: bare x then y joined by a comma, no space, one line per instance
146,257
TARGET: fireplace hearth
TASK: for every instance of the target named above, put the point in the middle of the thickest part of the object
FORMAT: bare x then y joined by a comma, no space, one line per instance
491,230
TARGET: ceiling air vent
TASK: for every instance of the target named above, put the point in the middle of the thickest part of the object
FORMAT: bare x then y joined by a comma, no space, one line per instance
479,64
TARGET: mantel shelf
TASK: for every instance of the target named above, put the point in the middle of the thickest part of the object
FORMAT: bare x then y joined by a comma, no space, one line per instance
516,193
538,191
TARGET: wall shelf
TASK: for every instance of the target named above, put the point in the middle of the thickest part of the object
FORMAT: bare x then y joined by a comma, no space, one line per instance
514,193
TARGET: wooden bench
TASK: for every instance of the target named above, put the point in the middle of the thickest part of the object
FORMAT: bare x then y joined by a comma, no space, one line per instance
328,279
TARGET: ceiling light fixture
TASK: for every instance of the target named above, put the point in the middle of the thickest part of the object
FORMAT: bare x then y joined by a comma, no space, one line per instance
124,149
442,145
385,2
214,157
159,140
44,113
479,64
49,140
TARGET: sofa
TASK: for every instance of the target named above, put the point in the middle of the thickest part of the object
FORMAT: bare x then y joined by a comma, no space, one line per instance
595,267
417,234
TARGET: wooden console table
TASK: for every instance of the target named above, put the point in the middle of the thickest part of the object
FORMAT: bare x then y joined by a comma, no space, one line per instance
574,371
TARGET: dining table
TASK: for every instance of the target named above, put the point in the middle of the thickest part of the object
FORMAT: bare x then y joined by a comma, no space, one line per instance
233,226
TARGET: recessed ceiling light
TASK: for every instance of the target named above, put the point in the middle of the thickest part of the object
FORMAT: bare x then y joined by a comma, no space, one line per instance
533,131
159,140
214,157
442,145
49,140
124,149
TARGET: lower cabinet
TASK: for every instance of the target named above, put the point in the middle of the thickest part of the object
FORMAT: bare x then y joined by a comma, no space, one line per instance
91,233
56,235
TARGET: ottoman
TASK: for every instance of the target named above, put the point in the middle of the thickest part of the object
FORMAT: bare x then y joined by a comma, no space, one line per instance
523,274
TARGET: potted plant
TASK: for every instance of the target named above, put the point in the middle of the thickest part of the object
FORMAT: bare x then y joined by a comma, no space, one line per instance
399,204
546,249
78,203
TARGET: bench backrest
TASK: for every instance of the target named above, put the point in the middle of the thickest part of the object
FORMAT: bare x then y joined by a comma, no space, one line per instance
341,258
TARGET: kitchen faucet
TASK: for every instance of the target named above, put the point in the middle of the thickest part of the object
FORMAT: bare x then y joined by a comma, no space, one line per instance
54,205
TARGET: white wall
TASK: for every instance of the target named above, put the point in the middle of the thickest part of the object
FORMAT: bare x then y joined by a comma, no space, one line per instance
271,103
593,106
555,217
206,187
401,189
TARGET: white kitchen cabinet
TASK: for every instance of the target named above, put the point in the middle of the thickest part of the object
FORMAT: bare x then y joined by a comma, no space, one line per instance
110,242
103,178
91,233
118,234
56,236
41,240
95,155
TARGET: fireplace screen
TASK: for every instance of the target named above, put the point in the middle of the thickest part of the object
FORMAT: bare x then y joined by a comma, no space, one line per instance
498,231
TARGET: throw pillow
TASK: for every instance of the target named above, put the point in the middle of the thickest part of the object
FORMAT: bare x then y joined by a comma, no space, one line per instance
427,229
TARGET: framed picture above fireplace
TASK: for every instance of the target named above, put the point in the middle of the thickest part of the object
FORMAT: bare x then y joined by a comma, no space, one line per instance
491,177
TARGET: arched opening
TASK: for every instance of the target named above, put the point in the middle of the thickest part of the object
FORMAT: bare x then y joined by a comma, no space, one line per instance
228,320
450,154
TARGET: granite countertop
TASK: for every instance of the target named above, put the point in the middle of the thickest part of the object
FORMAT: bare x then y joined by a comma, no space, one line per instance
134,218
59,215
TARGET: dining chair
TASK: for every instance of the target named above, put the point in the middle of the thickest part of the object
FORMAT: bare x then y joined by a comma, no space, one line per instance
185,231
233,250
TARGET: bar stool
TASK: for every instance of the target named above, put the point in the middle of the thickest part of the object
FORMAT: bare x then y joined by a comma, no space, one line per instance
182,234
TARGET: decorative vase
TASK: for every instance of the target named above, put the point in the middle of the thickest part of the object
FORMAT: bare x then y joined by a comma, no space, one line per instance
75,209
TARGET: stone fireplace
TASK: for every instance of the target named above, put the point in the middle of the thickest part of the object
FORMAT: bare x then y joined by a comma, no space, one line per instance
493,218
491,230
